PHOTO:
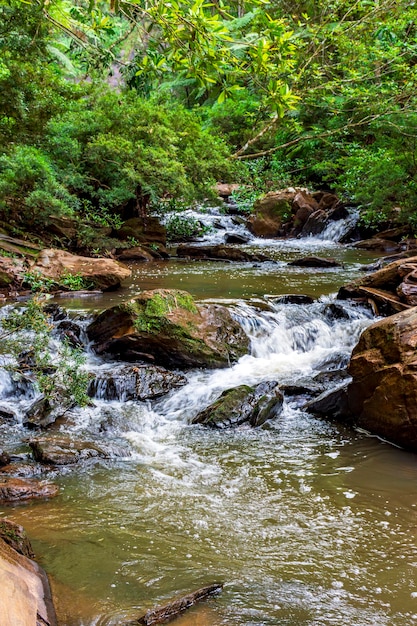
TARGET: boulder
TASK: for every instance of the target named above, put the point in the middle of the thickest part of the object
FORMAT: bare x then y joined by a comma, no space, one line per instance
148,230
382,396
331,403
243,405
19,489
166,327
314,261
236,238
65,451
15,536
26,598
143,382
315,223
100,273
290,212
219,253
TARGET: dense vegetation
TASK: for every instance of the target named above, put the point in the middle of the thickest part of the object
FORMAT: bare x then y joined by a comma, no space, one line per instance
109,109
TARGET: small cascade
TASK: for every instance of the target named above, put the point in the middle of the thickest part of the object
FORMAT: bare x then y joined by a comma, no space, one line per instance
337,230
217,224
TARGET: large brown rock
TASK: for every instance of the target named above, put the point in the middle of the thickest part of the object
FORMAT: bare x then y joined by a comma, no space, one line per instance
166,327
19,489
100,273
289,212
382,396
25,592
270,212
63,450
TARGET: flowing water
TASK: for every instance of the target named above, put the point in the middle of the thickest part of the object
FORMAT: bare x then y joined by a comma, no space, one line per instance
306,522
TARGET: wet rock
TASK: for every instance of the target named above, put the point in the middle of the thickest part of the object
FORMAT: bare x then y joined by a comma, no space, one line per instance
335,311
148,230
332,404
144,382
166,327
315,223
4,458
66,451
236,238
100,273
291,298
8,414
15,536
26,594
314,261
41,413
71,332
219,252
243,405
383,393
19,489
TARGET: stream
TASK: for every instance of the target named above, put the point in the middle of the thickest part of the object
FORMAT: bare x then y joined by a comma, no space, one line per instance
306,522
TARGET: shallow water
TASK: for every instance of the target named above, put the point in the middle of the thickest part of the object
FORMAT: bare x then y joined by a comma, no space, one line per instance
306,522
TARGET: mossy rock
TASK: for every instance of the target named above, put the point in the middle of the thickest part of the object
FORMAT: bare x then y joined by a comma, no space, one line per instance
166,327
243,405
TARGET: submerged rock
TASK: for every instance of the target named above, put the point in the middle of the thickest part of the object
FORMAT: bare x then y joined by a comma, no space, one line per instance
26,598
66,451
243,405
166,327
18,489
314,261
143,382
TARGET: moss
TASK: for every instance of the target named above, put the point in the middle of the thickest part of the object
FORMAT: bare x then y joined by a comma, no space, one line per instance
150,315
7,532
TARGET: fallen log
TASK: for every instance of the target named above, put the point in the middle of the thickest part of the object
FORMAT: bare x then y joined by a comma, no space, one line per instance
176,607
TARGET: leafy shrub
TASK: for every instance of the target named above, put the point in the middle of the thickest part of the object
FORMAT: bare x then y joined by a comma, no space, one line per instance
180,227
29,188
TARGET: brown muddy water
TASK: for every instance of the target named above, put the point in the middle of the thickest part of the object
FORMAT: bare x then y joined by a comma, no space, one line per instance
307,523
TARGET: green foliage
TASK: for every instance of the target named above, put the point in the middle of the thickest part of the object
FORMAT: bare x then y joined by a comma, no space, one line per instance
27,338
180,227
37,282
29,187
74,282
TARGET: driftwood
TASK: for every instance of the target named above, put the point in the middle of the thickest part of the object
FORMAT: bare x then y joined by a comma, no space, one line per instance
176,607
